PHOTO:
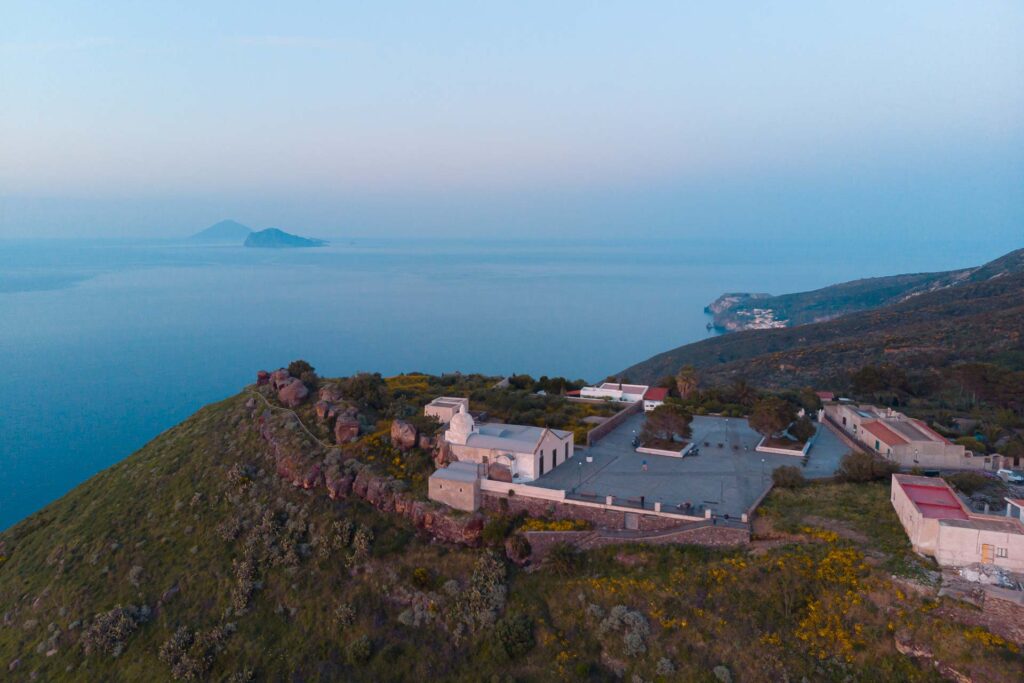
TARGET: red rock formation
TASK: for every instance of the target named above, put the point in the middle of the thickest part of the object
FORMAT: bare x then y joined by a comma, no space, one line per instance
346,429
262,378
292,393
278,378
403,435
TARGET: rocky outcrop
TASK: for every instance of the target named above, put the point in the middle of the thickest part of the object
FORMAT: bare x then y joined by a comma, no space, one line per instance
308,465
331,393
262,378
403,435
292,393
278,378
346,429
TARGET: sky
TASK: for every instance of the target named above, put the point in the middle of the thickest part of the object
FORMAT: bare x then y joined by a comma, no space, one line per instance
504,120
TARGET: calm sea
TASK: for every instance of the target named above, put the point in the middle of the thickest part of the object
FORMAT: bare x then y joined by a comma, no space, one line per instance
103,345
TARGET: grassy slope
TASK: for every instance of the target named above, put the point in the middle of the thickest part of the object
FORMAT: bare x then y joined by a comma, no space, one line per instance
929,330
704,608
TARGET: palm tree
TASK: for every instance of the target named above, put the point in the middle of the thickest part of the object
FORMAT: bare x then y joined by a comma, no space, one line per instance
687,381
741,392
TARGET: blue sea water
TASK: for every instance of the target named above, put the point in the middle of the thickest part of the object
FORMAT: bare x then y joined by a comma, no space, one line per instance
105,344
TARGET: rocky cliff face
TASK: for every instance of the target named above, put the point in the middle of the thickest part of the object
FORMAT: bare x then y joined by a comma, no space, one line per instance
310,465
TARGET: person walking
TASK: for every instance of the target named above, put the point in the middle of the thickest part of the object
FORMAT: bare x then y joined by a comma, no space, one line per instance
643,466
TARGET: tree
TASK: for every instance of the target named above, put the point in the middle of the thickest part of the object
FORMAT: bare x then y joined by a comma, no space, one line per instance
297,367
772,415
803,429
860,467
665,423
742,393
788,477
686,381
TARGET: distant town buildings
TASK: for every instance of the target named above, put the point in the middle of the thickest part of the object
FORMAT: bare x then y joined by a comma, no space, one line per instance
940,525
616,391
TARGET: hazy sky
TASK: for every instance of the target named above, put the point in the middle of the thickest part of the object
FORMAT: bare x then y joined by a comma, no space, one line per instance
514,119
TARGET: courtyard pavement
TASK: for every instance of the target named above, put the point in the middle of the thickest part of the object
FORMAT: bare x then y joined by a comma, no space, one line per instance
727,476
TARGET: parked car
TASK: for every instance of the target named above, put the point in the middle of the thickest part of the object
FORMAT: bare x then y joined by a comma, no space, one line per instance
1010,477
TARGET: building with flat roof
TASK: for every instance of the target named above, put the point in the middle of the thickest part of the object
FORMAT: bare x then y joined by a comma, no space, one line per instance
444,408
457,485
906,441
940,525
616,391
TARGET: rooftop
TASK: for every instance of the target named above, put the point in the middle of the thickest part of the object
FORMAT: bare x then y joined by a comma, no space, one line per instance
512,438
656,394
448,401
933,498
457,471
628,388
1005,525
883,433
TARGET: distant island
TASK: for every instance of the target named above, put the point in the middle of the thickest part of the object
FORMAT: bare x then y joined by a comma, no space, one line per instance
272,238
224,232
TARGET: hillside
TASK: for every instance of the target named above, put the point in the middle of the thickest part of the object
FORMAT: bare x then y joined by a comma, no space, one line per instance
224,232
741,311
980,322
272,238
240,546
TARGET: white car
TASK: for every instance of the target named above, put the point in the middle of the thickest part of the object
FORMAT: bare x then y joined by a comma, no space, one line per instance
1010,476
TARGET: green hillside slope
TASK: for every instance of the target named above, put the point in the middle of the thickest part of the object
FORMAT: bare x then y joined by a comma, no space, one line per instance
194,560
981,322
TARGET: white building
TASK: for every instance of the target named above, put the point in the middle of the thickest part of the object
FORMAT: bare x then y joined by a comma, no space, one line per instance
654,397
527,452
616,391
444,408
939,524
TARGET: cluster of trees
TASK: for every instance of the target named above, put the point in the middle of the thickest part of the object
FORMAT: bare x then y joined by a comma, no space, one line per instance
666,423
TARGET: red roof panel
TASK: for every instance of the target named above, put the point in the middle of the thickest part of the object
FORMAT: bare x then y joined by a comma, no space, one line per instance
656,394
883,433
935,502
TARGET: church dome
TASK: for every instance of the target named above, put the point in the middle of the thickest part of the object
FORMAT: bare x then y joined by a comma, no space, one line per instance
462,423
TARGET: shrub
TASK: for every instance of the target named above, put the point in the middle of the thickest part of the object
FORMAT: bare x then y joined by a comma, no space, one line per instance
345,615
535,524
971,444
968,482
109,631
771,415
298,367
423,578
495,531
359,650
788,477
190,655
562,559
861,467
518,548
634,627
515,633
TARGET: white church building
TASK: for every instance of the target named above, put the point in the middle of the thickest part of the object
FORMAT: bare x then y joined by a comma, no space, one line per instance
528,452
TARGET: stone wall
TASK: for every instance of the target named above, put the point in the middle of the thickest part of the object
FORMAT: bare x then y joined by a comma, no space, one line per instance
597,516
709,535
602,430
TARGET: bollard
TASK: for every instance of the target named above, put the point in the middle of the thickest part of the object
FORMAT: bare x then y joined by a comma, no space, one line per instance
608,500
657,506
707,513
743,518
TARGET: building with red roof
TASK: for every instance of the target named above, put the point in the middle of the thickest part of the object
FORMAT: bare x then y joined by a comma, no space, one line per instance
654,397
904,440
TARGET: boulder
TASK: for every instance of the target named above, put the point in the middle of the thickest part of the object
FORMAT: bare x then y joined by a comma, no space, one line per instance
293,393
346,429
278,378
331,393
499,472
403,435
262,378
323,410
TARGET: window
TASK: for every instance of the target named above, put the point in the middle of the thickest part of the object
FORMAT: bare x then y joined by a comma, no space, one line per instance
844,421
878,446
1000,552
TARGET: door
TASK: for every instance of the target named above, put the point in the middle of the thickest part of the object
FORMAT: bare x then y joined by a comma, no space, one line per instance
987,553
632,521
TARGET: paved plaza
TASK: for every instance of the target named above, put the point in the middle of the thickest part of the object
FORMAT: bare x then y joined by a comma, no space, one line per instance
727,476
